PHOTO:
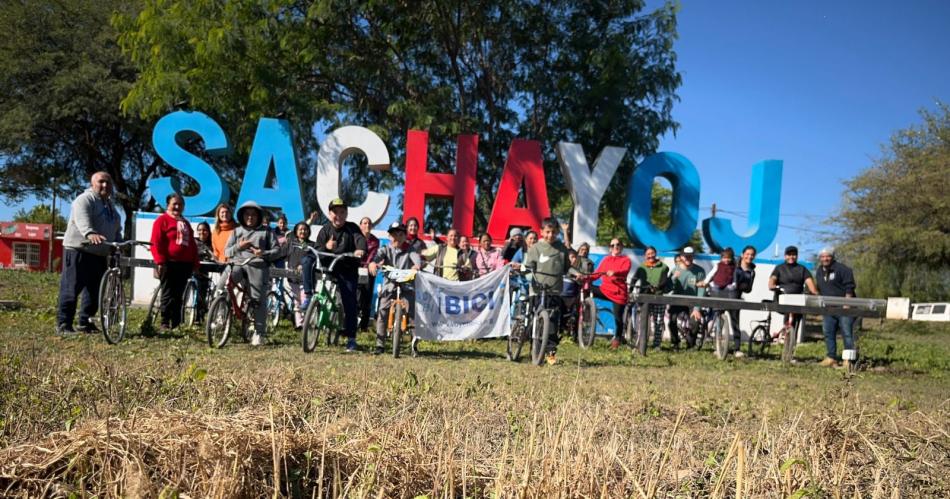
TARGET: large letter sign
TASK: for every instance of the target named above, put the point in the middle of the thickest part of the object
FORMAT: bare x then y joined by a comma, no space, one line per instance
684,213
523,167
165,137
273,144
339,145
586,187
459,187
763,212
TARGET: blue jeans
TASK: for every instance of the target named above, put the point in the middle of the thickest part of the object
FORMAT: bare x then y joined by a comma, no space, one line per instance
830,326
81,275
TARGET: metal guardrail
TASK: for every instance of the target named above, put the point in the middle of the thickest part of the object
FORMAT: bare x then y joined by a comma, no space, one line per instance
815,305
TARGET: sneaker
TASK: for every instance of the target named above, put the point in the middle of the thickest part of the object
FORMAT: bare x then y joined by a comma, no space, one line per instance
614,344
257,340
551,358
828,362
739,354
350,346
88,328
65,330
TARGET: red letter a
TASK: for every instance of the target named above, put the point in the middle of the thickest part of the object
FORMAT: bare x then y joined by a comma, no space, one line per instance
524,165
459,187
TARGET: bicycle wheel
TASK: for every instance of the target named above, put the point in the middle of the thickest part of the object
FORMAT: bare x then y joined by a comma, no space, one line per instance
586,323
759,341
539,336
246,322
148,324
189,305
517,335
112,307
218,323
273,309
721,329
791,341
311,326
397,328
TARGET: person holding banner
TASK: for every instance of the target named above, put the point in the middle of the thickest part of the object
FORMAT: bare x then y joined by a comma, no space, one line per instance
399,254
446,258
548,260
487,259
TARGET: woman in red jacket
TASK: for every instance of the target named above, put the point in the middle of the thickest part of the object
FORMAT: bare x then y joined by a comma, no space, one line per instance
176,257
613,286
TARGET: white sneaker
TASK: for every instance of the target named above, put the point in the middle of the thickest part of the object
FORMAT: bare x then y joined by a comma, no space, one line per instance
739,354
257,340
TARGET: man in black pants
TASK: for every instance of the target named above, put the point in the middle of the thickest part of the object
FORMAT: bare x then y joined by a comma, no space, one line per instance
340,236
93,220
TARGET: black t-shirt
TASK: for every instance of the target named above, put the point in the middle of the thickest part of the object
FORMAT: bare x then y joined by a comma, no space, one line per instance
348,239
791,278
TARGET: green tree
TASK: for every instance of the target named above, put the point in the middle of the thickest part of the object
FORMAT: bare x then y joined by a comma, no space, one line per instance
896,215
598,73
40,214
62,77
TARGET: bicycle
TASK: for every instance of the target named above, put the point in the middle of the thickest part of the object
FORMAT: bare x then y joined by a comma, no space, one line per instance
113,300
397,318
541,320
232,305
519,314
636,336
194,305
761,337
718,323
324,312
586,310
279,302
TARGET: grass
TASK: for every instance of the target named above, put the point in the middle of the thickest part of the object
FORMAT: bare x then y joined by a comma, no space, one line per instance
170,417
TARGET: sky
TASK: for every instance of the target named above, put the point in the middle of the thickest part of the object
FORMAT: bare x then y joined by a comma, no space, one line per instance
819,85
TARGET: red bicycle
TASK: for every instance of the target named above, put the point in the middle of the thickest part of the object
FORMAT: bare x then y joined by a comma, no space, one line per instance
586,312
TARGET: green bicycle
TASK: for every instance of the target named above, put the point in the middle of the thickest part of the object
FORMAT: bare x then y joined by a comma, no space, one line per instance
324,315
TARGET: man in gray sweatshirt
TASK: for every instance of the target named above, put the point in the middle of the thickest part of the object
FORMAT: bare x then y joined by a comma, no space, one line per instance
93,220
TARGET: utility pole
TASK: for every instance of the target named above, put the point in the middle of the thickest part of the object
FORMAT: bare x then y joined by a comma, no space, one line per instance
52,229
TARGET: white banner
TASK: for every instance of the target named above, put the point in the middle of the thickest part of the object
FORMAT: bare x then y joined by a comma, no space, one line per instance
453,310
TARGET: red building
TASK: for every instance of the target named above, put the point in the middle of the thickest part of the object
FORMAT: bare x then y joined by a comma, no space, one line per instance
26,246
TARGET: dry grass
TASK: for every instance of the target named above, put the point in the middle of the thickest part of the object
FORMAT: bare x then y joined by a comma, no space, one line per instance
170,418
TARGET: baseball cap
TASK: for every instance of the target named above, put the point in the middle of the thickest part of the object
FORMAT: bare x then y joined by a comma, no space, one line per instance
515,232
688,251
396,227
337,203
791,250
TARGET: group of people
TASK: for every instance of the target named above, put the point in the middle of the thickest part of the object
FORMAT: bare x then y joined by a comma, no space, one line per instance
246,236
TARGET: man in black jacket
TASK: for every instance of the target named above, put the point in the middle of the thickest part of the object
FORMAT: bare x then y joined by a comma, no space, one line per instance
835,279
340,236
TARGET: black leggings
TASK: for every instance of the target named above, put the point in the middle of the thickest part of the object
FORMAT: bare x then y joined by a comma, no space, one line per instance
619,315
173,288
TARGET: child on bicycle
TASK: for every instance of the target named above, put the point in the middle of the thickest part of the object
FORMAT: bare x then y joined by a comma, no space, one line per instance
296,248
548,259
401,255
253,239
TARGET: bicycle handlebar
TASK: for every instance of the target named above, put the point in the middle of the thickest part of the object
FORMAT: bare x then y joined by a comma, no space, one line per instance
336,258
117,244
